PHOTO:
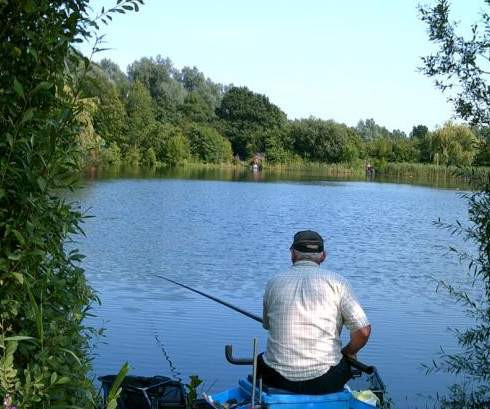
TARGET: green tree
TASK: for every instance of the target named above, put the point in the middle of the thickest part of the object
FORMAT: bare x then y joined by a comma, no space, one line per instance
483,155
420,134
324,141
278,146
195,82
140,109
405,150
208,145
459,66
246,117
453,145
369,130
196,109
381,148
158,76
110,118
44,296
176,149
114,73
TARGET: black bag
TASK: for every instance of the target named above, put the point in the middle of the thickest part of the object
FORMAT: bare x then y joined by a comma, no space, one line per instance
139,392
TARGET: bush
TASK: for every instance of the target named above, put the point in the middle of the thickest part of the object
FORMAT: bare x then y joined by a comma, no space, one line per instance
208,145
133,156
150,158
176,150
44,297
111,155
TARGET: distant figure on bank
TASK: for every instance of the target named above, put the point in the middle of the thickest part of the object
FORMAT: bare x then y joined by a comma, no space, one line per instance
305,309
370,171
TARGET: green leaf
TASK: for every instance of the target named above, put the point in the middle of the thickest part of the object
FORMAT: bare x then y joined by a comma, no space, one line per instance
54,378
33,52
18,338
18,88
73,355
63,380
2,192
19,277
27,116
115,388
127,7
29,6
112,404
43,85
18,235
41,182
14,256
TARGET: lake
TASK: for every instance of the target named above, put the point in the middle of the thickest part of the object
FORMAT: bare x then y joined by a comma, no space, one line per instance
228,237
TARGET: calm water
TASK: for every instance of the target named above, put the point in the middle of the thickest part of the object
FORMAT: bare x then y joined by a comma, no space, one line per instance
228,237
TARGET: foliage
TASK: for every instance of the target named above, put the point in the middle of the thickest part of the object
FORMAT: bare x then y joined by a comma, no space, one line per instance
112,154
155,98
109,118
369,130
150,158
324,141
453,145
44,296
246,116
191,387
473,361
278,146
208,145
141,114
176,148
133,156
462,62
482,157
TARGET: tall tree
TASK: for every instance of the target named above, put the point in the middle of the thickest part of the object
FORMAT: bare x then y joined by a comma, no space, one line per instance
459,66
246,115
158,76
44,296
369,130
110,119
323,141
141,115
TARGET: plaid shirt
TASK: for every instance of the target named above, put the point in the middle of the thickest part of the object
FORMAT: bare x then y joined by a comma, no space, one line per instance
304,311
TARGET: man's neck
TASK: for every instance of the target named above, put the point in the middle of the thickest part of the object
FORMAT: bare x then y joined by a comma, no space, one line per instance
303,262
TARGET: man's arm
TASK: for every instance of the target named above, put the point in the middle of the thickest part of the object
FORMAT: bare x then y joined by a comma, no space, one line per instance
358,339
265,318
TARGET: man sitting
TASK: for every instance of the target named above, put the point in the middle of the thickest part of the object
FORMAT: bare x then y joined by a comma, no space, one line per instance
305,309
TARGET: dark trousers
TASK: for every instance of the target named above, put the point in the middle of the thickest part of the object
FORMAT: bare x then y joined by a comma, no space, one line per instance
331,381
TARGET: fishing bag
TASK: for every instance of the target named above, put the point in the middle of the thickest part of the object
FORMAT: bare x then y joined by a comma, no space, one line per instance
140,392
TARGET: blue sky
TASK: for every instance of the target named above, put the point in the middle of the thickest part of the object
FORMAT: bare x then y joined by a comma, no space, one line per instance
331,59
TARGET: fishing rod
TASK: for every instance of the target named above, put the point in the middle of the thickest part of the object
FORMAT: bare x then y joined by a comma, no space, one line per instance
353,362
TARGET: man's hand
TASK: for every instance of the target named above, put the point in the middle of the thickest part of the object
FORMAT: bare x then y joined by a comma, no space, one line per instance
358,339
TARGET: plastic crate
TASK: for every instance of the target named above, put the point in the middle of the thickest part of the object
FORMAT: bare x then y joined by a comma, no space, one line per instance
139,392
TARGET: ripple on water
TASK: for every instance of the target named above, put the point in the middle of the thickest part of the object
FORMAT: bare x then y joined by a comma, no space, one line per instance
228,238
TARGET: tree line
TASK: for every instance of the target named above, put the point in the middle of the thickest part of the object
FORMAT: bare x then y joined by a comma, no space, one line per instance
157,114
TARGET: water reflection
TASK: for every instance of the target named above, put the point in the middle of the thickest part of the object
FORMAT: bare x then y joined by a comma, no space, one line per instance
228,238
244,174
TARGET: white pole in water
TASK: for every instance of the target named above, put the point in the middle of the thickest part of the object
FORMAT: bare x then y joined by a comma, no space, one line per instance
254,375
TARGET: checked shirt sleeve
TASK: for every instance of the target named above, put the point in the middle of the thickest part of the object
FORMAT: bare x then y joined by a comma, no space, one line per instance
353,314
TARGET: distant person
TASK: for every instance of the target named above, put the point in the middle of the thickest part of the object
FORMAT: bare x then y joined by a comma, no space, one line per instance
305,309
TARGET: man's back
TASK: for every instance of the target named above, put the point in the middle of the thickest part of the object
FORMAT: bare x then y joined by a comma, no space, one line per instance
304,311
